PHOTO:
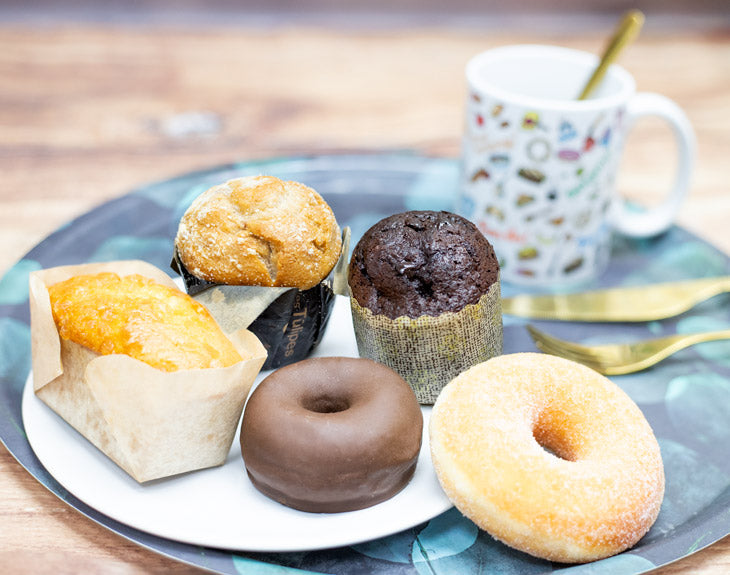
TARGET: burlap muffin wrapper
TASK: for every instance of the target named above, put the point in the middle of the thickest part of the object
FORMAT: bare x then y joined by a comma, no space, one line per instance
289,322
151,423
429,351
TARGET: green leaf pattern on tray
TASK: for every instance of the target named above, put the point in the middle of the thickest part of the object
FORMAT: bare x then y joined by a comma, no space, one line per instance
687,401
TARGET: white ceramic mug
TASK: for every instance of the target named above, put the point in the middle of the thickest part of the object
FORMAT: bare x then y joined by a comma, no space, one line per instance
539,166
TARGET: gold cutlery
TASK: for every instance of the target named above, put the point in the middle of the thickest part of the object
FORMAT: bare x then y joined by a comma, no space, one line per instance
625,304
626,31
622,358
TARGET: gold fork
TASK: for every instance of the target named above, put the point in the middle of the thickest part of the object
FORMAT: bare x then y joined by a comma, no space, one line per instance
622,358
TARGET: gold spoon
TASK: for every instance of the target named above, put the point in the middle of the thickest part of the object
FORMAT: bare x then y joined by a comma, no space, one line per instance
627,30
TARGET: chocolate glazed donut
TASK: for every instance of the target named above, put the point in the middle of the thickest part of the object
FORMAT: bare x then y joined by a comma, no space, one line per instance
331,434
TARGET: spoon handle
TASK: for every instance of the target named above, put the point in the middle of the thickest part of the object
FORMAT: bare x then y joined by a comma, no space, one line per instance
625,33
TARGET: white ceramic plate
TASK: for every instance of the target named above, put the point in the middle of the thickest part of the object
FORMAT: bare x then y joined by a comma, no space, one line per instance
219,507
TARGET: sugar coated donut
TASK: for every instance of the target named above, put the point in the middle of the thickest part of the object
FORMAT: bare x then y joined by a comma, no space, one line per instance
331,434
548,456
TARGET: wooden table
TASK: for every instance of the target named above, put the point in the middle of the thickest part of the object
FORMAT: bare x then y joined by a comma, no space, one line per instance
88,112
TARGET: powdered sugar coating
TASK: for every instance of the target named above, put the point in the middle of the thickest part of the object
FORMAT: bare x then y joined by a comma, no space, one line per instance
259,230
595,495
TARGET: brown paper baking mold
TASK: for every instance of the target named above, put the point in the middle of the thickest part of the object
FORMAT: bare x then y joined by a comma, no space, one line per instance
153,424
429,351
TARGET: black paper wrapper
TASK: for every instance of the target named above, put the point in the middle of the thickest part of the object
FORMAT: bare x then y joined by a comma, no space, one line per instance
293,325
193,284
289,322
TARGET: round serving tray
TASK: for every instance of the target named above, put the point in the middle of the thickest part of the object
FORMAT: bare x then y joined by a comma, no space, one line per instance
686,399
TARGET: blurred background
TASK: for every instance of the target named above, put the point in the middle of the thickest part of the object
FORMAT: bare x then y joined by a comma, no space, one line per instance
97,97
472,13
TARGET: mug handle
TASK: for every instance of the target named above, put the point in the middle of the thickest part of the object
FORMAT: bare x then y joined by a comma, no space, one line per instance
658,219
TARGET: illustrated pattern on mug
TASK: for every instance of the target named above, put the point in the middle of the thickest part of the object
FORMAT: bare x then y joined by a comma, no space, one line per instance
539,186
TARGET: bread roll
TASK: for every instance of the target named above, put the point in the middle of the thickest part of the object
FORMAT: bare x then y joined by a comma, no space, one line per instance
136,316
259,231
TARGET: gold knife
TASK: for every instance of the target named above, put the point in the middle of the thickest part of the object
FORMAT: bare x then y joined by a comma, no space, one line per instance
624,304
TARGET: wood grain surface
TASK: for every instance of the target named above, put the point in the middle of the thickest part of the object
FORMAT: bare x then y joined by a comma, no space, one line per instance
88,112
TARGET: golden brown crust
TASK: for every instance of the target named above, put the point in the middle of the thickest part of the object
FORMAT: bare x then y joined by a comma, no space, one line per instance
136,316
596,494
259,231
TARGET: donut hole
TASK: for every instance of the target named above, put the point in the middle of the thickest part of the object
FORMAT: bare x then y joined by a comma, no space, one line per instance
554,446
325,404
553,436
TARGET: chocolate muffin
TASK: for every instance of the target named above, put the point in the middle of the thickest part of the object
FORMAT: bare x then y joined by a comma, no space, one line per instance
421,263
426,298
